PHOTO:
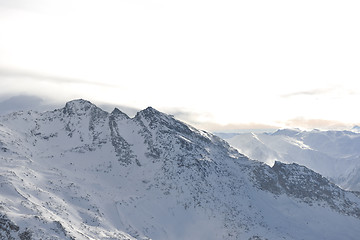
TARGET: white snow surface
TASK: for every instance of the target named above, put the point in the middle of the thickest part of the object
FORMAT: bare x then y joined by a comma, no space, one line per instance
82,173
334,154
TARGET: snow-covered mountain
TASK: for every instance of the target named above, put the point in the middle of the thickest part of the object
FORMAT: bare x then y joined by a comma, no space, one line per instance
82,173
334,154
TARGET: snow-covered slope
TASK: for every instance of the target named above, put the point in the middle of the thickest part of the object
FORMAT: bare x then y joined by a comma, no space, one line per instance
334,154
82,173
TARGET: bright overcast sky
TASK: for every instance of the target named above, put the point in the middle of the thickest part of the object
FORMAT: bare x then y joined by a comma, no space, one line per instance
219,64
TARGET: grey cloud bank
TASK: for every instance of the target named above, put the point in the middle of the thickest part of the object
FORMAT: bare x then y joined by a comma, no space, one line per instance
23,103
32,76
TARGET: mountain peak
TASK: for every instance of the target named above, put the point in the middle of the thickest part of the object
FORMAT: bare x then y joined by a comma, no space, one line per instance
79,102
287,132
78,106
150,110
117,112
151,113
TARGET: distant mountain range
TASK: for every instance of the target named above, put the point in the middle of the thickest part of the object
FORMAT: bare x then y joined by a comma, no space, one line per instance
80,172
334,154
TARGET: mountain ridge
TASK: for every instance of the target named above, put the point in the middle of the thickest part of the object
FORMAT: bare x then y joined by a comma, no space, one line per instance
334,154
82,173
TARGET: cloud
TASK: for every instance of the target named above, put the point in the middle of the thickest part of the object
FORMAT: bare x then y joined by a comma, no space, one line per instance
17,4
335,91
299,122
21,74
314,92
130,111
189,116
235,127
23,103
32,102
204,121
323,124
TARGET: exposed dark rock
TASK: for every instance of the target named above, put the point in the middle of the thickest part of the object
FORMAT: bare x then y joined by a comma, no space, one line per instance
304,184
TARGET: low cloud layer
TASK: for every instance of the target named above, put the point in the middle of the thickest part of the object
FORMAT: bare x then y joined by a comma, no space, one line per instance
194,119
240,127
317,124
23,103
32,102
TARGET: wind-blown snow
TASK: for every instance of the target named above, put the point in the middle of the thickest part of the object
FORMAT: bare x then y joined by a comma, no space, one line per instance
335,154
